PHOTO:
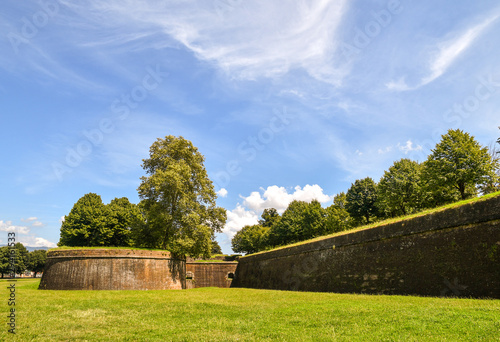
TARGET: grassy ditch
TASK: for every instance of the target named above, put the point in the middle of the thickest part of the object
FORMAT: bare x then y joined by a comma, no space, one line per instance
213,314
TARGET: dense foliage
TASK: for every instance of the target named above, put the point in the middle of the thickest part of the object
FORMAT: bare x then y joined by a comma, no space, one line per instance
37,260
300,221
399,189
460,163
23,261
361,200
178,200
92,223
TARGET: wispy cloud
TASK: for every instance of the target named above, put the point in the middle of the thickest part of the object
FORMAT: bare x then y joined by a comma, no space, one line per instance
276,38
7,226
450,50
445,54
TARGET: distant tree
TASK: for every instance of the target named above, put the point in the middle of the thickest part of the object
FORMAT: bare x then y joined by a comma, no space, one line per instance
361,199
337,217
37,260
178,199
299,222
269,217
493,185
458,161
4,260
250,239
21,259
216,249
340,200
399,189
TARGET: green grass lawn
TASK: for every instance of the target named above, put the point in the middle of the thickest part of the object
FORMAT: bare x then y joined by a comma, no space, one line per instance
212,314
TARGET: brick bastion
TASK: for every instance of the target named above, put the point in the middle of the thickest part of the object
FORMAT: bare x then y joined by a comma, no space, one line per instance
112,269
451,252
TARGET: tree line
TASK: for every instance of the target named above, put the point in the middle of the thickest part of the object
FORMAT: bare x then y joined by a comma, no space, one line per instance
457,168
24,260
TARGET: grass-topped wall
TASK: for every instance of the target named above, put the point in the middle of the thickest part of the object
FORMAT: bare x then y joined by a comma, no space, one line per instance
449,252
112,269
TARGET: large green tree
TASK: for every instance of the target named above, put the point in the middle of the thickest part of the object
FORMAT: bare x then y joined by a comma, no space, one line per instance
92,223
459,162
361,199
300,221
399,189
250,239
337,217
178,199
37,260
85,225
121,217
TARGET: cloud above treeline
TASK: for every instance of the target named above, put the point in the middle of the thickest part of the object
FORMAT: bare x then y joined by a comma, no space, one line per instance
274,196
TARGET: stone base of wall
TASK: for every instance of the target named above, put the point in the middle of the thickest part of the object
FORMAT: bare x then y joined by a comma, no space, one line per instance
455,252
112,269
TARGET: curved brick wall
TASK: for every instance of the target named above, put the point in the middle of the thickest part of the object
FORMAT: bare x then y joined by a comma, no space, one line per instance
112,269
454,252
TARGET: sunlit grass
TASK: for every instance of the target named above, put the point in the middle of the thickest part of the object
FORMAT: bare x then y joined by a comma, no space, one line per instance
212,314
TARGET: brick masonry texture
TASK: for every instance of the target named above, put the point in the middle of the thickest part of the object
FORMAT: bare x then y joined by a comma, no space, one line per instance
113,269
209,274
453,252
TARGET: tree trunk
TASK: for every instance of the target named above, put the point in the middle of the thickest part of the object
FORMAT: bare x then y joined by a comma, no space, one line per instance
461,188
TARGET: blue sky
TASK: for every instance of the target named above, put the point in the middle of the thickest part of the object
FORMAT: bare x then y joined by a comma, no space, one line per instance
286,99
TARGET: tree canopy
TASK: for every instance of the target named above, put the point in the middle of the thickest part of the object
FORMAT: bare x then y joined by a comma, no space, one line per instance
458,161
361,199
178,199
250,239
399,190
37,260
92,223
21,260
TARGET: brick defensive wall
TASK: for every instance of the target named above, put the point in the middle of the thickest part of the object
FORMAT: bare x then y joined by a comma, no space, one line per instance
112,269
451,252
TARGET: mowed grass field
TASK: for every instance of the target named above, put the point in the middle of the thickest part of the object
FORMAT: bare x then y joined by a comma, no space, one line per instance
213,314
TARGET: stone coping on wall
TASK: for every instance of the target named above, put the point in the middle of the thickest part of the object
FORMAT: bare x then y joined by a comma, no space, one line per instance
109,253
467,214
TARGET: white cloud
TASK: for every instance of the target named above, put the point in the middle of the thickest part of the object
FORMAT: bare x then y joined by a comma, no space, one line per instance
61,220
279,198
29,219
273,197
245,39
237,219
37,224
384,150
450,50
445,54
409,147
399,85
222,192
34,241
7,226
